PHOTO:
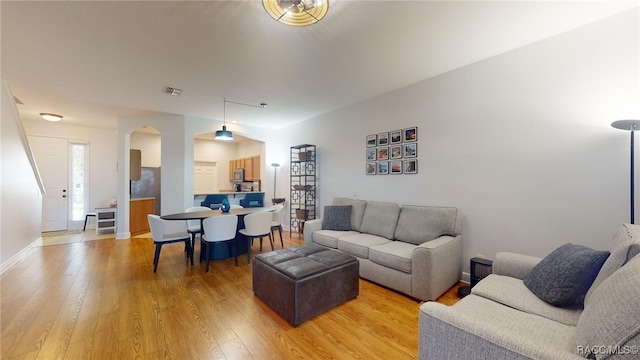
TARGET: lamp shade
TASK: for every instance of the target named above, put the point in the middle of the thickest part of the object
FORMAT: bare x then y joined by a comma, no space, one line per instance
224,134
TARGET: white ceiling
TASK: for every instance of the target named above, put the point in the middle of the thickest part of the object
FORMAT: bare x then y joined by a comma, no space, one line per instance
93,61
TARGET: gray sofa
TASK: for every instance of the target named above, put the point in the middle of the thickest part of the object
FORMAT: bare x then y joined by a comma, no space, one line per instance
416,250
502,319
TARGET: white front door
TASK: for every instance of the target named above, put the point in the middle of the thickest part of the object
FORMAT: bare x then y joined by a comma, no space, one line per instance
52,157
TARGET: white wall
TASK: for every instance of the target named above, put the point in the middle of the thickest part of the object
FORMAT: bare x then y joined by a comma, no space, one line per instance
521,142
21,200
149,146
249,148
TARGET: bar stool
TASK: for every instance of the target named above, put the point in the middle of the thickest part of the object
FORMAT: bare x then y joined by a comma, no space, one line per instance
86,217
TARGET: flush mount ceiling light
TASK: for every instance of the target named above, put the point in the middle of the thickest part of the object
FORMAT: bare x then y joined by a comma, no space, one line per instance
51,117
296,12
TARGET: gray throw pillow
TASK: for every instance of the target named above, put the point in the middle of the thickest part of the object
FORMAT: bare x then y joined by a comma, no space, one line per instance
564,276
337,218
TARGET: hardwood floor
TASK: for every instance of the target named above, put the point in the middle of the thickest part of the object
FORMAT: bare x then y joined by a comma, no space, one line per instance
101,300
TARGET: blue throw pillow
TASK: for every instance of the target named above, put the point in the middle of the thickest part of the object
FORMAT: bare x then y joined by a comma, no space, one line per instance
337,217
564,276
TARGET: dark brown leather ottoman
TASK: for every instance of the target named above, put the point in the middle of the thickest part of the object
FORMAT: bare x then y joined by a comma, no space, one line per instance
304,281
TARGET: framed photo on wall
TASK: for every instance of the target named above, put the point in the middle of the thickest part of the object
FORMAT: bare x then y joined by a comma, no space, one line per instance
372,141
411,134
410,166
396,167
383,167
410,150
372,154
392,152
383,153
395,152
371,168
383,139
396,137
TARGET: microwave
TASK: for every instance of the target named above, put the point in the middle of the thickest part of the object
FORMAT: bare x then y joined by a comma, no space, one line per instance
238,175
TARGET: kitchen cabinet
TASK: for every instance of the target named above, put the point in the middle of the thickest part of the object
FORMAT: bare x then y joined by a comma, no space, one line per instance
138,211
255,167
248,170
251,166
135,164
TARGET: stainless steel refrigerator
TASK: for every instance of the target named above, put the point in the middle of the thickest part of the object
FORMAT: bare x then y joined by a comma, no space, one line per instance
147,186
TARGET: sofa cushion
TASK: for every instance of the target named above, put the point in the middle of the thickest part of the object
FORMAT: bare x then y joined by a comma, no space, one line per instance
512,292
394,255
417,224
380,219
358,245
563,277
611,317
626,245
357,210
329,238
527,328
337,217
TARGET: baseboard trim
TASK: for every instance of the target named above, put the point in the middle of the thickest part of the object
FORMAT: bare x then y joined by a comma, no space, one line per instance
20,255
466,278
122,236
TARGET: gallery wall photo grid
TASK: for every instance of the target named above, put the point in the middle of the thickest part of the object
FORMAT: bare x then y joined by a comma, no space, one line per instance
392,153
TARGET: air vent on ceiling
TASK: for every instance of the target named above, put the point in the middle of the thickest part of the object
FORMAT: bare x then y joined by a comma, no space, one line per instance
172,91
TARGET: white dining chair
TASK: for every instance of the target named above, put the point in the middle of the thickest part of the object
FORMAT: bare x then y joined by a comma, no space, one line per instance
166,232
276,222
220,228
257,225
193,226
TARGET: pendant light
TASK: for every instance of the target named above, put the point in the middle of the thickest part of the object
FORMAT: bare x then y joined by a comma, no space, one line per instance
224,134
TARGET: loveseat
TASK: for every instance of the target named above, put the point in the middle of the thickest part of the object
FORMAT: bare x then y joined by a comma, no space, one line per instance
416,250
503,319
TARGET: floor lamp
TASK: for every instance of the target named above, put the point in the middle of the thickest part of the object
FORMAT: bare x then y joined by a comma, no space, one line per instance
630,125
275,200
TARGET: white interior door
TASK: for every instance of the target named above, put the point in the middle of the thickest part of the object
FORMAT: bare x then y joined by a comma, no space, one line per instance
205,178
52,157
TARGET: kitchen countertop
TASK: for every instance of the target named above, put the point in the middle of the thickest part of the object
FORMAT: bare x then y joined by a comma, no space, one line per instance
144,198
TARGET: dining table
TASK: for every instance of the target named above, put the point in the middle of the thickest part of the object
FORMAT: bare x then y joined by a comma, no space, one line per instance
217,250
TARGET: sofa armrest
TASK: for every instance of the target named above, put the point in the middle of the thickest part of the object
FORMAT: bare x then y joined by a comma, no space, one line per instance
445,333
514,265
436,265
309,227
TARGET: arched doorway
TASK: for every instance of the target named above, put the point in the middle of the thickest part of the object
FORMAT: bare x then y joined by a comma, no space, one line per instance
145,178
